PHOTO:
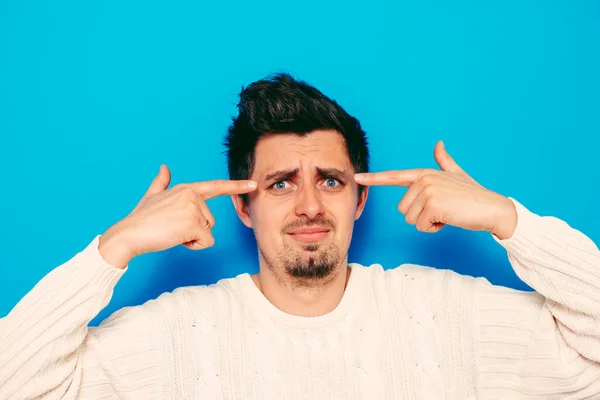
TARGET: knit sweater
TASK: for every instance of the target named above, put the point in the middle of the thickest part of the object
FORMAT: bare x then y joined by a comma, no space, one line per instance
410,332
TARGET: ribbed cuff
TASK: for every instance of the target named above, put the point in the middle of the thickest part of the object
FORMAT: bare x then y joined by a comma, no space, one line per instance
107,275
529,225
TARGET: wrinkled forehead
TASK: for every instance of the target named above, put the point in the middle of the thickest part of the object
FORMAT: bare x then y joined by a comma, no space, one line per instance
282,151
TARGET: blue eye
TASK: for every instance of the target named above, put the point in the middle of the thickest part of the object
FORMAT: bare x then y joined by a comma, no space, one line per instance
280,185
331,182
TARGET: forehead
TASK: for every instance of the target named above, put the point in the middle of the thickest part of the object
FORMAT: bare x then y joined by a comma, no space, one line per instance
325,149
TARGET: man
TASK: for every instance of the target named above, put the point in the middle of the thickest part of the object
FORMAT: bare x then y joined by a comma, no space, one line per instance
310,325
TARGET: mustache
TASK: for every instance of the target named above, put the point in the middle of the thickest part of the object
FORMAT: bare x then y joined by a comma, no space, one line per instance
302,223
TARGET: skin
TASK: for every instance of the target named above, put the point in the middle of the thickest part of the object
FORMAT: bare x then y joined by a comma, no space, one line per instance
307,196
447,196
303,181
434,198
165,218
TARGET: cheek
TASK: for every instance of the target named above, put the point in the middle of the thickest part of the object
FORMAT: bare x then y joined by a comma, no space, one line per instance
267,220
344,213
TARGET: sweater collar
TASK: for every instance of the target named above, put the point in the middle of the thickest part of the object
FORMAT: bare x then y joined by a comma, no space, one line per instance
260,306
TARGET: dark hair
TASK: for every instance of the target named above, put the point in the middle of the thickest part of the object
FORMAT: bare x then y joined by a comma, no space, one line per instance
282,104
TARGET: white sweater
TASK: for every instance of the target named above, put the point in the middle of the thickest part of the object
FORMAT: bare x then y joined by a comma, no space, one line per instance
410,332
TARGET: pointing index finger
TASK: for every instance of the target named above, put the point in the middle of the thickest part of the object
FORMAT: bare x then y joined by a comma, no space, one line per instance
210,189
404,178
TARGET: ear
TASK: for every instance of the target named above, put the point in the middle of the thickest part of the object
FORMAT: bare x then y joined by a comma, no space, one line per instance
242,210
362,200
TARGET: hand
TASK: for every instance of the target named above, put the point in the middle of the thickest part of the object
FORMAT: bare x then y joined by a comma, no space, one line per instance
165,218
450,196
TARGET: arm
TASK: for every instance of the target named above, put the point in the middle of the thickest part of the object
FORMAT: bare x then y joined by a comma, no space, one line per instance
47,350
544,344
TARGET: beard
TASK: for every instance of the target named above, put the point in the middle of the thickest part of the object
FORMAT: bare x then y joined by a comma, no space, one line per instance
317,265
306,264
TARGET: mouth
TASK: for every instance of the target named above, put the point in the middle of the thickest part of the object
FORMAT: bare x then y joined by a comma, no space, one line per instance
309,235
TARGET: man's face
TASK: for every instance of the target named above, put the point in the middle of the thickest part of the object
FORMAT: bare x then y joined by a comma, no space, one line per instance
305,206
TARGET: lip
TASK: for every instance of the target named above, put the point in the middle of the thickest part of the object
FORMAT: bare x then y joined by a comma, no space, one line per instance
308,235
313,229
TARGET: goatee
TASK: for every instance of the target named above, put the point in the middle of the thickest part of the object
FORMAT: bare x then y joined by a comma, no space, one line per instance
310,265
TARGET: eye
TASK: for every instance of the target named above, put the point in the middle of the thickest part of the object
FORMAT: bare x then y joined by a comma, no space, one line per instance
281,185
332,183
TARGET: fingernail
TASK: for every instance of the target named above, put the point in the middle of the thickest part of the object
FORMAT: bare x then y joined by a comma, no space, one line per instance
252,184
359,177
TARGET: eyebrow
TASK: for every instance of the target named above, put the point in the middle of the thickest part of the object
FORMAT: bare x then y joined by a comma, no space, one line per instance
286,174
282,175
332,173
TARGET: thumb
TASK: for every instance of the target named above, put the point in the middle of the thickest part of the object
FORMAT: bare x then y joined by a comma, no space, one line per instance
161,181
444,160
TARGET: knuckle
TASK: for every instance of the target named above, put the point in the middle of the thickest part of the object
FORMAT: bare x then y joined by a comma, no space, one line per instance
208,241
217,185
422,224
190,193
427,179
187,194
432,204
398,175
429,190
402,207
192,211
180,187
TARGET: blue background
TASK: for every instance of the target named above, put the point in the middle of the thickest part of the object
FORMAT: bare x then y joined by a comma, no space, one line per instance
95,95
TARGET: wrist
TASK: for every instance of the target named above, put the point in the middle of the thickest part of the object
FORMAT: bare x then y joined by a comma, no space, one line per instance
506,220
114,249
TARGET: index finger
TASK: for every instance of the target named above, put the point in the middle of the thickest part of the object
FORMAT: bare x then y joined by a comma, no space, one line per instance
405,177
210,189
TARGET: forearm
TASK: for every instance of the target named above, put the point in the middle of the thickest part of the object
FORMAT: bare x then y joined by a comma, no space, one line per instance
563,265
42,333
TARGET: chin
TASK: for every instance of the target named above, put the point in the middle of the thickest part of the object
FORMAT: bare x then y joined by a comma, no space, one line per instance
310,247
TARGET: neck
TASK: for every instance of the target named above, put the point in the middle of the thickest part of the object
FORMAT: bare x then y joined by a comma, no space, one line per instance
305,300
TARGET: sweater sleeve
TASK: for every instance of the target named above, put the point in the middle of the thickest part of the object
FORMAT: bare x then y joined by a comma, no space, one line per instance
48,351
543,344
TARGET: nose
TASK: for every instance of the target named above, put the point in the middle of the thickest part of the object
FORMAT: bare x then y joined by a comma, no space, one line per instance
308,202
